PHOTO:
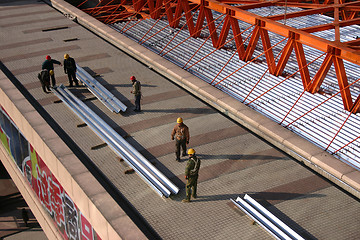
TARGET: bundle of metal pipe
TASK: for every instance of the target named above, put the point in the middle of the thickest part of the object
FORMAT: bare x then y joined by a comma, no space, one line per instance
158,181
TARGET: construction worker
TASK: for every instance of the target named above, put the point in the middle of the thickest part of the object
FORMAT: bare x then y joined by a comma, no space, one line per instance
182,135
49,65
44,77
137,93
191,175
70,70
25,216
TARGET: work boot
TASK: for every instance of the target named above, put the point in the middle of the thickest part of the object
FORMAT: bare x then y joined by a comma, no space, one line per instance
185,200
184,154
194,196
178,159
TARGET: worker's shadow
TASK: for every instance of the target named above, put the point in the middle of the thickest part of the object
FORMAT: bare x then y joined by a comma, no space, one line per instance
129,85
262,197
241,157
183,110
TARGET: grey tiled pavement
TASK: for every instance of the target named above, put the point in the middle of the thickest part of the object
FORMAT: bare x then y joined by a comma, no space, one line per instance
234,161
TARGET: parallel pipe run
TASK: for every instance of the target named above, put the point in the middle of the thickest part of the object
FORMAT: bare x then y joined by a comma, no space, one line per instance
151,175
264,218
274,219
107,98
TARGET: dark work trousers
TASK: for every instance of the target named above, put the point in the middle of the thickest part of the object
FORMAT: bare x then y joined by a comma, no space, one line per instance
191,183
53,80
137,102
72,78
45,86
178,144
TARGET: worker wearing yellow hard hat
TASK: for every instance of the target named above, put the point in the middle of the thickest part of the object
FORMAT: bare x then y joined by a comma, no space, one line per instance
70,70
191,175
181,135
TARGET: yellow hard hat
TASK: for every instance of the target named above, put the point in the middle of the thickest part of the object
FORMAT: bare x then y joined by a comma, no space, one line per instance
179,120
66,56
51,72
191,151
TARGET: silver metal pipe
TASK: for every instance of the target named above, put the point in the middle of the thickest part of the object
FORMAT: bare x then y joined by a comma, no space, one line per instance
145,169
260,219
107,98
272,218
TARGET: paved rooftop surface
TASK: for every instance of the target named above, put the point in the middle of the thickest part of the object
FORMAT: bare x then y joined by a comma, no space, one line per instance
234,161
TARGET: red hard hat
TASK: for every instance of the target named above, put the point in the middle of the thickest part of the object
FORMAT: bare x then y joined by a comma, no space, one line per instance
48,57
132,78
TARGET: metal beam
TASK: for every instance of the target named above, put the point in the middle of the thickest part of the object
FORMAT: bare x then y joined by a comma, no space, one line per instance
151,175
106,97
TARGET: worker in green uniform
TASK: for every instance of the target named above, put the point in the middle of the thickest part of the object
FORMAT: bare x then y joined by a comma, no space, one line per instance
137,93
191,175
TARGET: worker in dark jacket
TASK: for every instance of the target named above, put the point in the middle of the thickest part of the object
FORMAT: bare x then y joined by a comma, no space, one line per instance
137,92
44,77
191,175
49,65
70,70
25,216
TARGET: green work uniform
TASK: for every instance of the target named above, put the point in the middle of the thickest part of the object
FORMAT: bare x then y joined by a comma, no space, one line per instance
191,174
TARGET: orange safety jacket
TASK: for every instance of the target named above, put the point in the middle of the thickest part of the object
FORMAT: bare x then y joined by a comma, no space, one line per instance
181,132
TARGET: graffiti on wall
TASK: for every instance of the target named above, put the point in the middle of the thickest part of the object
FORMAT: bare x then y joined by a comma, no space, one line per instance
62,209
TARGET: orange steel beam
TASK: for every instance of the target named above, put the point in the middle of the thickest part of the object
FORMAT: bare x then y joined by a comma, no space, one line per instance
257,5
356,106
353,42
328,26
238,38
343,83
303,65
344,15
319,10
284,57
320,75
252,44
283,30
268,50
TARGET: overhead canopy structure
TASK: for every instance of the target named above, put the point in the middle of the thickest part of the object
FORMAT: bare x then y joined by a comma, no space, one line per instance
344,14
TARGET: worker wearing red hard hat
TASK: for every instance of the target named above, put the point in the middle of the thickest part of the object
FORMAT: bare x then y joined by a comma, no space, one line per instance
137,93
49,65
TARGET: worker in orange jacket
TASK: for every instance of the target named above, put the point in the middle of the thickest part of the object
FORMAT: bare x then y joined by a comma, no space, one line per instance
182,137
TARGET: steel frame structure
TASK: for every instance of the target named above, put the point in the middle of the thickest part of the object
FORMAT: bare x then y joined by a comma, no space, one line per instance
301,52
344,13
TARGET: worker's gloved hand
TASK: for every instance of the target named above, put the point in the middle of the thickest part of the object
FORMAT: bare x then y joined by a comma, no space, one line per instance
172,138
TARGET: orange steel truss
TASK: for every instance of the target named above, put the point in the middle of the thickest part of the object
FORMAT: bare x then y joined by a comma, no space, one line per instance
344,12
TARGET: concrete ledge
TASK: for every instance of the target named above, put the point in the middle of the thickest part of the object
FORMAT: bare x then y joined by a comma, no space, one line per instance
332,165
295,145
302,146
352,178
